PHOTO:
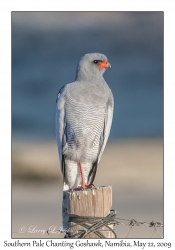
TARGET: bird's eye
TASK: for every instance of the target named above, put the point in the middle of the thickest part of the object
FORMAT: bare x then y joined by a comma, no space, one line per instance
95,61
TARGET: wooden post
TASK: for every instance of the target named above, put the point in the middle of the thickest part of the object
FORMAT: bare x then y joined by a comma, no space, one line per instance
95,202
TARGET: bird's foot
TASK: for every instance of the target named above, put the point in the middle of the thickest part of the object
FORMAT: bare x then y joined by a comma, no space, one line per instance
88,186
83,187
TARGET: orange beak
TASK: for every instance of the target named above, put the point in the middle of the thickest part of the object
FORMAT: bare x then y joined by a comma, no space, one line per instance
104,64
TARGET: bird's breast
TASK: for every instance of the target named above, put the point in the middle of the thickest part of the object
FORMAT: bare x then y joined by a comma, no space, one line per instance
88,93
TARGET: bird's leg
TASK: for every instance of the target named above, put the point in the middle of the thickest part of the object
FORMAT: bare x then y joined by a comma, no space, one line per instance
82,175
84,185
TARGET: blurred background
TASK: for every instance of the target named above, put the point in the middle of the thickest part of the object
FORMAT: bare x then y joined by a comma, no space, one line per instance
46,47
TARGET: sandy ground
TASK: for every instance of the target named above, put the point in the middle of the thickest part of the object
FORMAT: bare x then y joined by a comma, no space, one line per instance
134,168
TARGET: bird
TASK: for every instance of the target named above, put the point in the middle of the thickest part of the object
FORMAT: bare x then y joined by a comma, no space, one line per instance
84,113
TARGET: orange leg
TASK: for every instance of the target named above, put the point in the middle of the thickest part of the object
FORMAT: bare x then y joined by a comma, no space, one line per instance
84,185
82,175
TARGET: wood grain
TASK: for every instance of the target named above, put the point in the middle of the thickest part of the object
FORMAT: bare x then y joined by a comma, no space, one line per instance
95,202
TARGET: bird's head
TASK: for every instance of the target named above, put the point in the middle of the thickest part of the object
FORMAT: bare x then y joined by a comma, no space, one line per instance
91,66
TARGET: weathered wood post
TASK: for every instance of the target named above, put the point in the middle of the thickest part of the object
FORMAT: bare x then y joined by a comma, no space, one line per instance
85,206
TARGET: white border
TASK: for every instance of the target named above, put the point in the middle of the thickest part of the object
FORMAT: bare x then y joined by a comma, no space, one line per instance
5,94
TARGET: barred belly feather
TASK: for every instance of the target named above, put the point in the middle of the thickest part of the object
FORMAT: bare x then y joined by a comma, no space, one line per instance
84,127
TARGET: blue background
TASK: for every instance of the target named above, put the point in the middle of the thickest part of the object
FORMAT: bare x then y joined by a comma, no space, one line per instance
46,47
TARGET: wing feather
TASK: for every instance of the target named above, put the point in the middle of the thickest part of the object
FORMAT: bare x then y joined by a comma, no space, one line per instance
104,136
61,125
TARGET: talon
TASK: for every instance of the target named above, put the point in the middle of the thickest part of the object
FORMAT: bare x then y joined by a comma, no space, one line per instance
88,186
